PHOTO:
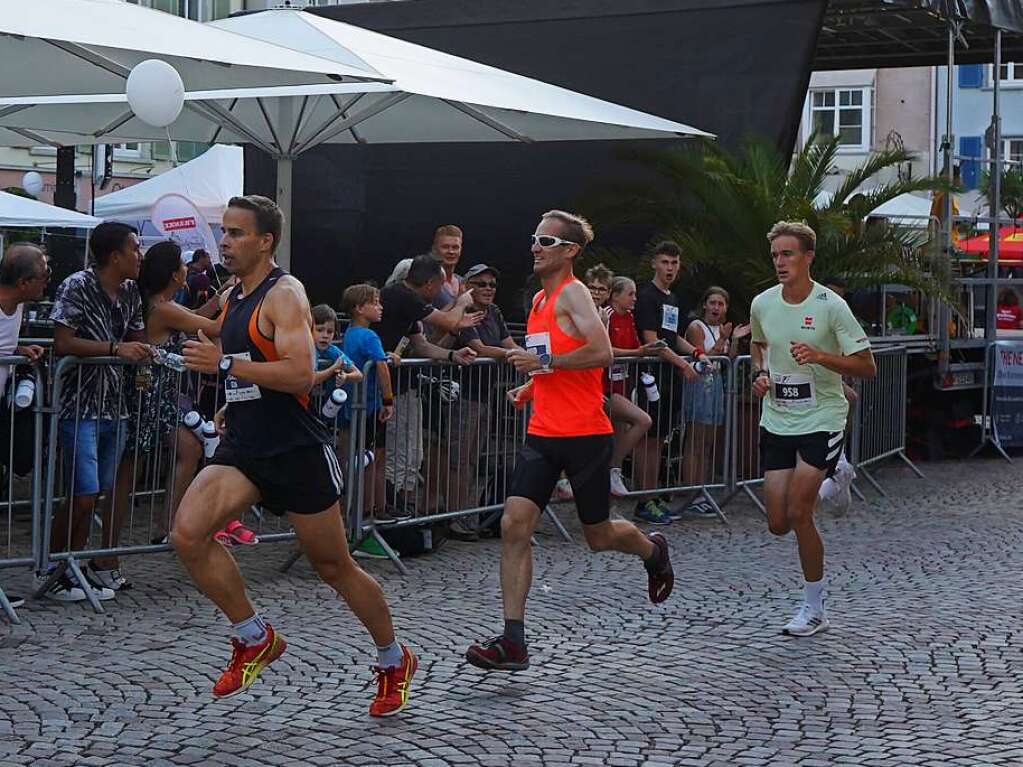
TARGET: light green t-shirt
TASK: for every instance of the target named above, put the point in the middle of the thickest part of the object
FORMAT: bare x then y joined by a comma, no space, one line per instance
804,398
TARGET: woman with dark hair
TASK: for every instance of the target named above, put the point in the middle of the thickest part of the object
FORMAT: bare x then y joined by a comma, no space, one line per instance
168,397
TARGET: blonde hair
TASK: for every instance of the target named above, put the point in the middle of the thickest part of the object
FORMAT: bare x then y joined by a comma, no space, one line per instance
714,290
574,227
447,230
799,229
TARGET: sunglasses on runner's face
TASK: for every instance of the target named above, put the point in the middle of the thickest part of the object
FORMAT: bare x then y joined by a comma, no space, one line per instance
549,241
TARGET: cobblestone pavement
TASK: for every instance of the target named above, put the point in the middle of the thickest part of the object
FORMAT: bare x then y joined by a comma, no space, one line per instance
922,665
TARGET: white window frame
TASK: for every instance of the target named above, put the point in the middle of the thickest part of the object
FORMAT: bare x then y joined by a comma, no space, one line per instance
1015,71
866,111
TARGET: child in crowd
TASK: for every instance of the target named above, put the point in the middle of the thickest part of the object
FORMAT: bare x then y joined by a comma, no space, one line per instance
333,367
361,345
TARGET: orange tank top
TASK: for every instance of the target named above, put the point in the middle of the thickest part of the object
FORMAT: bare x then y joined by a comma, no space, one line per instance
566,403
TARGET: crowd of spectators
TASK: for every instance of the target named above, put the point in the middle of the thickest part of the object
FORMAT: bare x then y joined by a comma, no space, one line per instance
428,426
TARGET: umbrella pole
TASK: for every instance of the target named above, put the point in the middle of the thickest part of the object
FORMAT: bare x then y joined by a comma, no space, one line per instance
284,169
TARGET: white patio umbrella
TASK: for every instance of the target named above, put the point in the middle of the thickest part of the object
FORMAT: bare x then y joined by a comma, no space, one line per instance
434,97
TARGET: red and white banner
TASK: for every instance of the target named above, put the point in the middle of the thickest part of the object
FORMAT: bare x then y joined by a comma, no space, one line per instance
177,218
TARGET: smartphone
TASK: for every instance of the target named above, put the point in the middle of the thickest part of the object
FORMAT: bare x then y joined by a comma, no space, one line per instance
660,343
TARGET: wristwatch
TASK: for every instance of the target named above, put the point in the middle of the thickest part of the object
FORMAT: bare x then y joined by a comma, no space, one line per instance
225,364
758,373
546,361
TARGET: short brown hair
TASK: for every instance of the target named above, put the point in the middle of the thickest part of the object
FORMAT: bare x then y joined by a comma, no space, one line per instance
323,313
668,248
358,295
269,219
573,226
799,229
715,290
600,273
448,230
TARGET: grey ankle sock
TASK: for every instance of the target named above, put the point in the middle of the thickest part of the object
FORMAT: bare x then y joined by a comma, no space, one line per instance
515,631
251,630
390,655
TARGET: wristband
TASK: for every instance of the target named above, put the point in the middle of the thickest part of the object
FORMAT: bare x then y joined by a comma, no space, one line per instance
758,373
451,355
699,352
112,352
388,401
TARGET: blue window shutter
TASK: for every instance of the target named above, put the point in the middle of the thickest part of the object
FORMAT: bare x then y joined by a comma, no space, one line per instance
970,146
971,75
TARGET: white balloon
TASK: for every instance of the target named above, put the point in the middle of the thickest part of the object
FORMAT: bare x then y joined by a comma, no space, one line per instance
32,183
155,92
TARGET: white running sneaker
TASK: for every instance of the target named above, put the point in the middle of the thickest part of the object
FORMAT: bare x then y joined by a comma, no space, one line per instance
829,491
618,487
563,490
844,476
807,622
109,579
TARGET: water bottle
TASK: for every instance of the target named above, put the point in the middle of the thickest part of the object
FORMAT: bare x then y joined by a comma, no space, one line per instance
650,387
210,439
702,366
169,359
24,393
367,458
402,346
332,405
195,423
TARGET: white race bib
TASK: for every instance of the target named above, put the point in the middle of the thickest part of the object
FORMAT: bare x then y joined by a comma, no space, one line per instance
237,390
539,343
669,317
617,373
793,391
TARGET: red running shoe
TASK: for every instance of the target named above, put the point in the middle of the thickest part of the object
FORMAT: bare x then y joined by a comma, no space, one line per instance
661,580
393,685
498,654
247,662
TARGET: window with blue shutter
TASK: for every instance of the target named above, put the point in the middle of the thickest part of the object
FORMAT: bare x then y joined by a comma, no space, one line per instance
970,146
971,75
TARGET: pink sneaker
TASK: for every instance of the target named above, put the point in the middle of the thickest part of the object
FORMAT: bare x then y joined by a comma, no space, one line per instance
236,532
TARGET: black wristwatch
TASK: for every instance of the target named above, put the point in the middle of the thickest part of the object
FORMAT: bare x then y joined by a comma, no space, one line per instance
546,362
225,364
451,355
758,373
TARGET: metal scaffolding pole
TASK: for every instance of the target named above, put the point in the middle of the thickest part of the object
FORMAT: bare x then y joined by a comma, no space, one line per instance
991,302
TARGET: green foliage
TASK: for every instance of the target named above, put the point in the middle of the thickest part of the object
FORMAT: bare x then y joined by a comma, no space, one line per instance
1012,191
719,205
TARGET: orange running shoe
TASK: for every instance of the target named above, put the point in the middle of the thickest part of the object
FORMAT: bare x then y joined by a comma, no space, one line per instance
393,685
247,662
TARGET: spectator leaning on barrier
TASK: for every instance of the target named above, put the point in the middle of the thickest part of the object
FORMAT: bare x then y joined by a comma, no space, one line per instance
406,306
659,316
491,339
24,273
447,248
97,312
333,367
362,304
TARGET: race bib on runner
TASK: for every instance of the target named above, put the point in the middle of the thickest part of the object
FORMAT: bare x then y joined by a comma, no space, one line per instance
793,391
237,390
617,373
669,317
539,343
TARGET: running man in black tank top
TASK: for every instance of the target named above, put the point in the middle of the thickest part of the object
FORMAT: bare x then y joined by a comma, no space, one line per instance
273,452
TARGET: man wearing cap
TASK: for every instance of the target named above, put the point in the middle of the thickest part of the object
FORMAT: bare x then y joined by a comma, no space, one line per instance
488,339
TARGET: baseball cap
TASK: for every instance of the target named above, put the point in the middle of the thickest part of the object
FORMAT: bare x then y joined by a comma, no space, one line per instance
480,269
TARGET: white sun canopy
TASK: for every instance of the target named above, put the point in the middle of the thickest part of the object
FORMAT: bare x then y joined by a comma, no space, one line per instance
18,211
432,97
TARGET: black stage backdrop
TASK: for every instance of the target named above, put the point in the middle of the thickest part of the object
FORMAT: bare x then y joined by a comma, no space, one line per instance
730,67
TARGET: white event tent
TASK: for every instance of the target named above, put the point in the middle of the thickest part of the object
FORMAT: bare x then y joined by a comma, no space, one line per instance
18,211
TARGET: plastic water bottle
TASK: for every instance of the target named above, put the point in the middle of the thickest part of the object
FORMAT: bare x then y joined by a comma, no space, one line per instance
210,439
169,359
402,346
650,387
332,405
702,366
195,423
24,393
367,458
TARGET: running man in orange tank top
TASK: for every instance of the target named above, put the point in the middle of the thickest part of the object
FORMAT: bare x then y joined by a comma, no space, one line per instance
567,349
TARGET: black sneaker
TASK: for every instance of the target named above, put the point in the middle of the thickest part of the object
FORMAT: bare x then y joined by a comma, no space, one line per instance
63,590
384,516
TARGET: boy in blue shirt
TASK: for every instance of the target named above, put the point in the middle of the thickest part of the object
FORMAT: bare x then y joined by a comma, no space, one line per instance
362,345
333,367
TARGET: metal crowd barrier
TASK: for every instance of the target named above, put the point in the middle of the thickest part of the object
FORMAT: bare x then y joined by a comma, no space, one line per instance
21,416
879,423
746,471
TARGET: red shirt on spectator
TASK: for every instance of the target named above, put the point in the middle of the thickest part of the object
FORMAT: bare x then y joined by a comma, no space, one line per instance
622,330
1009,317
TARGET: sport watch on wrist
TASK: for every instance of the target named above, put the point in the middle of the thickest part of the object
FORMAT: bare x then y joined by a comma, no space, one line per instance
546,361
758,373
225,364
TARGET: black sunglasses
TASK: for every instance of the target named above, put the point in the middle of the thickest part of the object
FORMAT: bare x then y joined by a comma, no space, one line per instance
483,283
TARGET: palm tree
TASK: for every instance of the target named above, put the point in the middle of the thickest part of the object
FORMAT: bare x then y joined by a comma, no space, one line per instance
718,205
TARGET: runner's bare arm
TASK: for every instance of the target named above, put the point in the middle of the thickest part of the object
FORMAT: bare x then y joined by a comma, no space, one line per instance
858,365
286,310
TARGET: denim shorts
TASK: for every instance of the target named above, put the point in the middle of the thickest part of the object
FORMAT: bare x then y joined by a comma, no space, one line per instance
93,449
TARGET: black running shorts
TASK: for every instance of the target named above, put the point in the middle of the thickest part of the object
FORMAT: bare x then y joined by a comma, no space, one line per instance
820,449
586,462
306,480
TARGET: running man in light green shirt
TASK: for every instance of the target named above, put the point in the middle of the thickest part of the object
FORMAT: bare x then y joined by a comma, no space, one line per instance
804,339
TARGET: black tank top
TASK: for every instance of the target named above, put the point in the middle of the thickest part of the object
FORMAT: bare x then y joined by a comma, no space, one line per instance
262,422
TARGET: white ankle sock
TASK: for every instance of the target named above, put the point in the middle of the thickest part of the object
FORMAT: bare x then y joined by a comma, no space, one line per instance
389,656
815,594
251,630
